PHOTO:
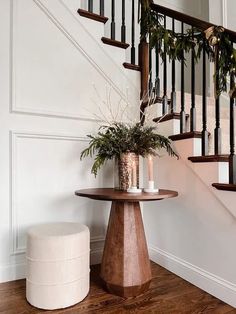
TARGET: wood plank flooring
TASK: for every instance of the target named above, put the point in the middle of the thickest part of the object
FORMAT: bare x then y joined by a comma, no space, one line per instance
168,294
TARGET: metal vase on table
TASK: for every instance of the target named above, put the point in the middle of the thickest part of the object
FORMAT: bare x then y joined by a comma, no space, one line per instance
123,171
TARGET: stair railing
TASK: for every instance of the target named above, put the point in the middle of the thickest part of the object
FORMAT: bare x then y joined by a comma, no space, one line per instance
164,72
122,18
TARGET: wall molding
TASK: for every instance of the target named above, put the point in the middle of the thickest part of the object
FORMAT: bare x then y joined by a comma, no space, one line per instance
14,137
45,113
15,107
220,288
21,109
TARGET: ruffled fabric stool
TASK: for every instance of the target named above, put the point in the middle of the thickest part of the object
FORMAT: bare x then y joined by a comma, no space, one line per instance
57,265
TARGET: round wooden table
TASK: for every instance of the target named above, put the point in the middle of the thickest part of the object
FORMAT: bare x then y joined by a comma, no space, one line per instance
125,268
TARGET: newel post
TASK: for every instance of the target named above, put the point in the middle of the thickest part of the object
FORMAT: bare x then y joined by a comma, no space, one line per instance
144,66
144,57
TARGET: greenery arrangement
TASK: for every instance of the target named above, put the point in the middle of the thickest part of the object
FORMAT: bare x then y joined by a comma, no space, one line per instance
117,138
214,40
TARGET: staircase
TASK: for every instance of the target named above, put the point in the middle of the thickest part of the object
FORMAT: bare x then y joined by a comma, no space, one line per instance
200,117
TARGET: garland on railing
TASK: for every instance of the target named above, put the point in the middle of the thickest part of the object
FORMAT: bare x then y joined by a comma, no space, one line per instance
216,42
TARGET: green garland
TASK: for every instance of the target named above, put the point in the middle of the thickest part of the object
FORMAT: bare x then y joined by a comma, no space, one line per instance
216,42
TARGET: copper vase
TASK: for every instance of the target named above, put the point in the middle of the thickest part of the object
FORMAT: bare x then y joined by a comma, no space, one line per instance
123,171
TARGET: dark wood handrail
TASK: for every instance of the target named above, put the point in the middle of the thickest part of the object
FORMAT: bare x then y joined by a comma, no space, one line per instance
188,19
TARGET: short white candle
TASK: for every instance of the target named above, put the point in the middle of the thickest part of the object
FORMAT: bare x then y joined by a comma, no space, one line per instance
151,185
150,168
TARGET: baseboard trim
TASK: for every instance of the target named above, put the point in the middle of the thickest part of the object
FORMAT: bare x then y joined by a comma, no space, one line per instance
218,287
12,272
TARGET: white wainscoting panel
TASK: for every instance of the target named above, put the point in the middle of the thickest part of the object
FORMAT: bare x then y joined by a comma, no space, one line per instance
57,84
52,74
47,68
46,171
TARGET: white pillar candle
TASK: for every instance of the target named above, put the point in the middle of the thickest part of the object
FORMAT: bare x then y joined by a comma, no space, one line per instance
150,168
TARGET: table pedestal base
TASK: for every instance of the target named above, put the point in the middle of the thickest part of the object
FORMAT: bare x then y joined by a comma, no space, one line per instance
126,268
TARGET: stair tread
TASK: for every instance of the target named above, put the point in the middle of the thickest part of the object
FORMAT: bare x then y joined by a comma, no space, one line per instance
186,135
158,99
92,16
116,43
169,116
225,186
210,158
131,66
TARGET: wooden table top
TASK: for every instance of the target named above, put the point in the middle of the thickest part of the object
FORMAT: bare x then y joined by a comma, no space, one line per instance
109,194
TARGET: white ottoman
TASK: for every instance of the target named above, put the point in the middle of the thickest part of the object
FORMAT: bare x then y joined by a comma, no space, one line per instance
57,265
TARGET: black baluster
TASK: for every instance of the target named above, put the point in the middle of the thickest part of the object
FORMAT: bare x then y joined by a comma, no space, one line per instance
150,72
132,36
143,62
123,27
90,5
113,25
217,131
193,108
232,156
102,7
182,112
173,92
205,146
157,80
164,99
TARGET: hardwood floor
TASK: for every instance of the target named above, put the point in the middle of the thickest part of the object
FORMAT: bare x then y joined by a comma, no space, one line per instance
168,294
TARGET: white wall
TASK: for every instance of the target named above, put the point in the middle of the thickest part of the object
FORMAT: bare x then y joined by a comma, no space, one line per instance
193,235
49,63
190,7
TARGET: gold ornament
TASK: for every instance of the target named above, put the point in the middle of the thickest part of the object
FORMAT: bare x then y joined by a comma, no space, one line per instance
213,34
213,40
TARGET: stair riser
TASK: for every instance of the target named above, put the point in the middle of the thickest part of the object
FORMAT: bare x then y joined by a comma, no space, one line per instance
210,120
